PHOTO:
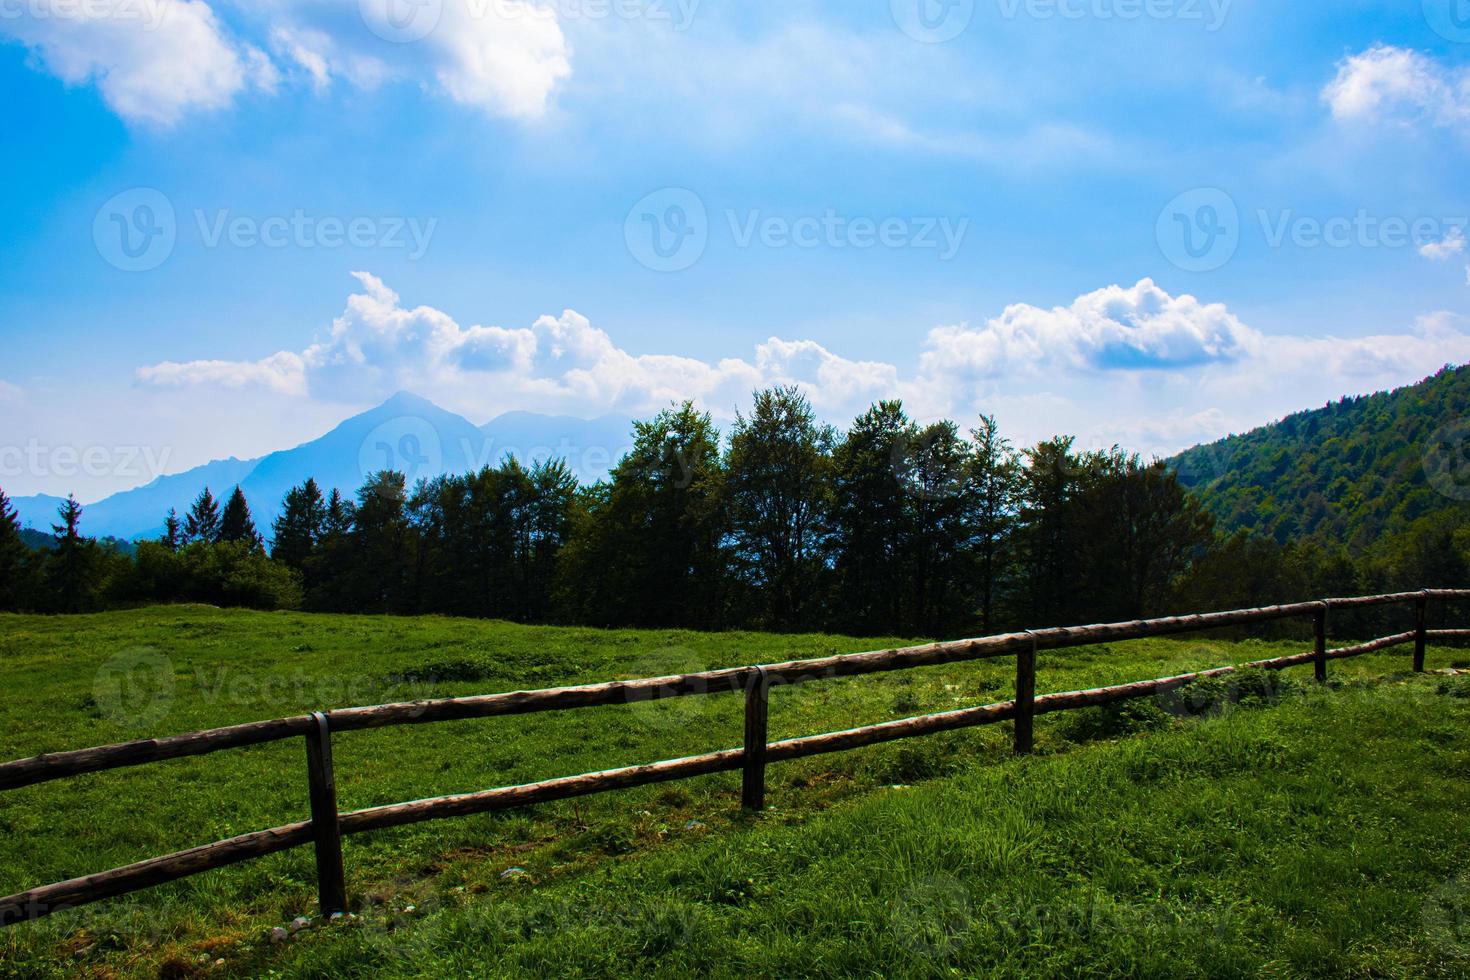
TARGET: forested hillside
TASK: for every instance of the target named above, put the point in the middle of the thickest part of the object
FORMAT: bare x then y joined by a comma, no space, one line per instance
1358,472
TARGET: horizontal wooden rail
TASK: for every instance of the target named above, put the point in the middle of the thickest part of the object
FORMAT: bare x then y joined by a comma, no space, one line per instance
59,765
48,899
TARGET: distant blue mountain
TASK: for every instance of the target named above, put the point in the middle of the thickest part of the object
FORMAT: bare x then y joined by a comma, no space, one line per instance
406,433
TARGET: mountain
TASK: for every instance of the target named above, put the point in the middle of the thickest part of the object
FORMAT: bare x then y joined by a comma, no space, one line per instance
407,433
1350,472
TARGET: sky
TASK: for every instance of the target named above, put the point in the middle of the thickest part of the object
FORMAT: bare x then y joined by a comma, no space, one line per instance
1144,222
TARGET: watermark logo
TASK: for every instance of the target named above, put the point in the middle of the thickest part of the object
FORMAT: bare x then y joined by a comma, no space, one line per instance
1446,917
1447,460
407,444
401,21
135,688
1199,230
1210,13
932,917
661,708
932,21
668,230
136,230
1450,19
149,13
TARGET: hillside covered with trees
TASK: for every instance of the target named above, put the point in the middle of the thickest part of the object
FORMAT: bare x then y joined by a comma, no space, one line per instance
1358,473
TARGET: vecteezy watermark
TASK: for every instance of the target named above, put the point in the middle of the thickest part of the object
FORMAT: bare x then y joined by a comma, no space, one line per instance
1445,915
1199,230
401,21
1450,19
407,444
135,688
1210,13
933,916
932,21
669,230
150,13
1447,460
137,230
38,459
306,231
407,21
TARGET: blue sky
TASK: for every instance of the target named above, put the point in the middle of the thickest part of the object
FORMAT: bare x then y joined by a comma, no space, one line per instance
977,206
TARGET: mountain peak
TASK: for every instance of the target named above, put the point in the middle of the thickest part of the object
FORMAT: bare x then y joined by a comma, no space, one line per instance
408,401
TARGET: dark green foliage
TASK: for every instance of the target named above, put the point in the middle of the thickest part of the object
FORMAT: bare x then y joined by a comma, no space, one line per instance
647,548
76,567
1352,472
778,476
236,526
300,526
13,554
202,521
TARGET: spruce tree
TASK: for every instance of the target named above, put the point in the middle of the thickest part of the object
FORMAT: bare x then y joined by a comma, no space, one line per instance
201,524
12,556
300,526
172,531
72,569
236,525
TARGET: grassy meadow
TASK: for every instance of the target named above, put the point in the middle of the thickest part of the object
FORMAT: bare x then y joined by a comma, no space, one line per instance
1259,827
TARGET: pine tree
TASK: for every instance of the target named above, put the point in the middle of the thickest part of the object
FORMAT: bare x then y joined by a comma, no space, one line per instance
12,556
338,520
300,526
236,525
73,570
201,524
172,532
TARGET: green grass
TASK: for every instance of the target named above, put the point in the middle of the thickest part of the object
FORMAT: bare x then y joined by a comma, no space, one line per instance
1302,831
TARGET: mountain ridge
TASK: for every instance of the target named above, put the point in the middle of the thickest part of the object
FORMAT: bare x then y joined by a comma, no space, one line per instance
407,432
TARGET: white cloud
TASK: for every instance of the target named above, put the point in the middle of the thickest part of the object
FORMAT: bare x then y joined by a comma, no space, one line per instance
155,61
10,392
152,61
1130,365
1134,328
1389,83
282,372
1453,244
562,363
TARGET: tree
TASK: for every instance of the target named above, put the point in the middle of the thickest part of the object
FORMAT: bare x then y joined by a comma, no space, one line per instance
647,548
993,478
13,555
778,473
872,520
938,552
301,524
172,532
73,569
201,524
236,526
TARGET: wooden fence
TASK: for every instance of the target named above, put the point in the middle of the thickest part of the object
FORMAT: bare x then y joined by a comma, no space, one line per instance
327,825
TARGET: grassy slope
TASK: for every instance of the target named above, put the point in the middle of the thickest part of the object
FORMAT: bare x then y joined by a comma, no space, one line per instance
1316,834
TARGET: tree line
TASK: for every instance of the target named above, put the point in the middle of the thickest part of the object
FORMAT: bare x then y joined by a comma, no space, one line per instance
785,523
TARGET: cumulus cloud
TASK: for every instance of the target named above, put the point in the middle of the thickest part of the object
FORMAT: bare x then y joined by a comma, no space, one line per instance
155,61
559,363
152,60
1132,365
1389,83
1453,244
1138,327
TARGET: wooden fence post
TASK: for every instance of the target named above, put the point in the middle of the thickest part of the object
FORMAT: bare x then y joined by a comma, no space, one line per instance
1026,697
1319,630
1421,618
753,779
326,830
